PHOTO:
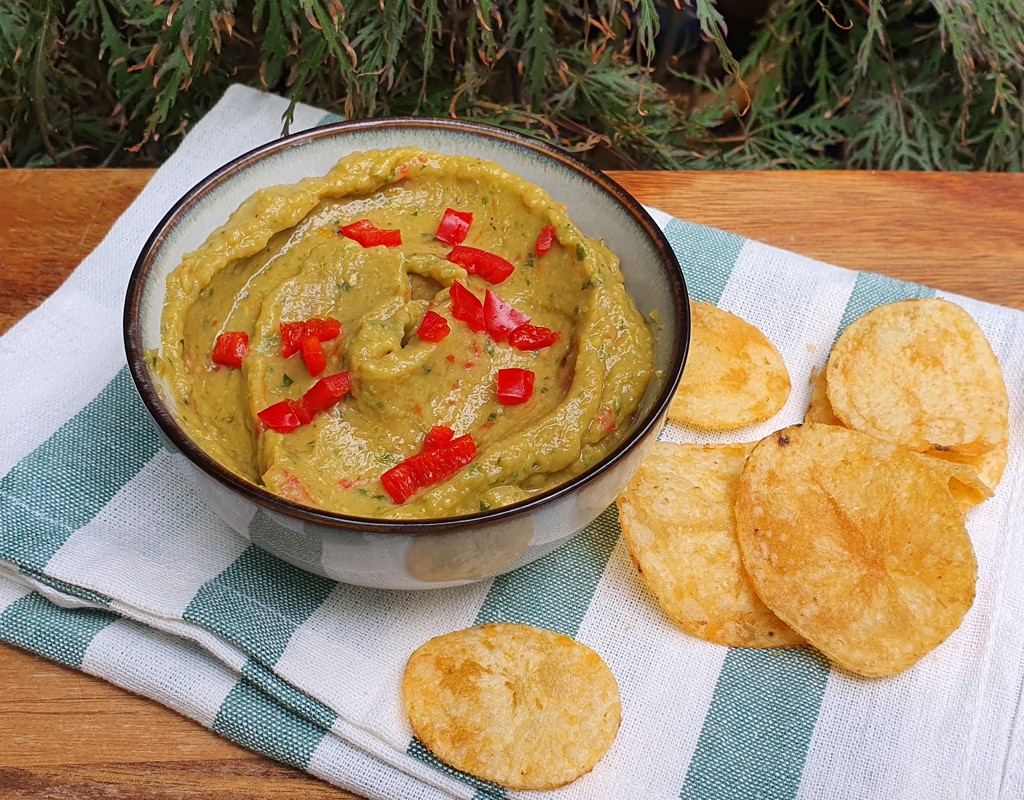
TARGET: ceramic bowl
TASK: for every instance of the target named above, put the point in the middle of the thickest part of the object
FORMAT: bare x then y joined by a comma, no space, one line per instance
422,553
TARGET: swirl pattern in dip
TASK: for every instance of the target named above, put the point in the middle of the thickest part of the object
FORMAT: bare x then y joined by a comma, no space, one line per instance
281,258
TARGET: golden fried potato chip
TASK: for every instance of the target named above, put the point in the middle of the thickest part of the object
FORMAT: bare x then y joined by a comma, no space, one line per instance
967,488
856,543
967,485
522,707
988,467
922,374
677,518
733,377
819,409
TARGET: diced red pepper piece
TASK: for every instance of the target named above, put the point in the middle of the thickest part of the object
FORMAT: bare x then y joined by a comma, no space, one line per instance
515,386
292,332
286,415
369,235
230,348
439,435
489,266
291,336
454,226
303,412
323,329
428,468
313,354
533,337
327,391
500,318
466,307
545,239
433,328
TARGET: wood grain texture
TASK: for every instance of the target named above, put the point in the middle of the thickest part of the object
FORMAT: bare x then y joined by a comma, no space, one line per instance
962,232
65,734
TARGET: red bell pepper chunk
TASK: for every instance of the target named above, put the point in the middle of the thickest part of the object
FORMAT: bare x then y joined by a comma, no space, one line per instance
323,329
500,318
292,332
515,386
454,226
400,482
313,354
327,391
533,337
230,348
369,235
489,266
433,328
439,435
545,239
303,412
286,415
428,468
291,336
466,307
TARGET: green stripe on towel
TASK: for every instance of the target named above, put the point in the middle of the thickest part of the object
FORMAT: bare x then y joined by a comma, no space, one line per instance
706,256
289,696
257,603
554,592
757,732
252,719
64,482
59,634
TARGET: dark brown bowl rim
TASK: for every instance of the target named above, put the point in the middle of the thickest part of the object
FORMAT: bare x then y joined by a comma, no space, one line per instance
268,500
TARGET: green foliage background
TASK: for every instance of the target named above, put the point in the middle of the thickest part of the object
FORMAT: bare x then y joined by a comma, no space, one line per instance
904,84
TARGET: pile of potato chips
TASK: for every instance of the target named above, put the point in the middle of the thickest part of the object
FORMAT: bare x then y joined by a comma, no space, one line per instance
847,531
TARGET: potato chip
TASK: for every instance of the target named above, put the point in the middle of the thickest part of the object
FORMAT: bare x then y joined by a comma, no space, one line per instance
988,467
522,707
967,488
919,373
677,518
819,409
856,543
733,377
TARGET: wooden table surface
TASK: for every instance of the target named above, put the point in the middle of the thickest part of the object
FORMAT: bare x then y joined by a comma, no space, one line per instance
65,734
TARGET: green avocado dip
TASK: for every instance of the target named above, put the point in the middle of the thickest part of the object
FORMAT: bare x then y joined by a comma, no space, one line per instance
282,258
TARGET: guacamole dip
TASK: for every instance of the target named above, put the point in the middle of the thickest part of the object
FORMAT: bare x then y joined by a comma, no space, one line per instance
284,258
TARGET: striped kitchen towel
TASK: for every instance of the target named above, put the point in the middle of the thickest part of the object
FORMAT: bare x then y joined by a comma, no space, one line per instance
109,563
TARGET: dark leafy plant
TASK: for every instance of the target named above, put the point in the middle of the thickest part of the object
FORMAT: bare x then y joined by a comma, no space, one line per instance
910,84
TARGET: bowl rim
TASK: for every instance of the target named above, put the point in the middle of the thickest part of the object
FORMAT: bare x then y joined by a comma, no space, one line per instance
351,523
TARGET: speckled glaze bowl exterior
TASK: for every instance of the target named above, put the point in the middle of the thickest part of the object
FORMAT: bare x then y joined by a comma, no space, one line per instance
419,554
